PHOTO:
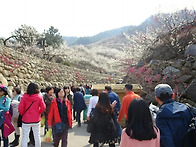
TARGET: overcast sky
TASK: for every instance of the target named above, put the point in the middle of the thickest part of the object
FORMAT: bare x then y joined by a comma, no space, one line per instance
82,17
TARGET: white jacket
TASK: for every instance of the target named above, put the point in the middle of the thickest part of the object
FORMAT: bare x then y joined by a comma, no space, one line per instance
15,104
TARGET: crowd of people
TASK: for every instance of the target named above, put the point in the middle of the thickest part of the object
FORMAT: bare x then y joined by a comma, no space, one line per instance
102,111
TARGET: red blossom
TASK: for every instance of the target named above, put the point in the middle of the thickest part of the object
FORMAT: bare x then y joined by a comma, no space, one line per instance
149,92
146,78
132,69
16,63
148,71
150,82
176,88
23,61
157,76
178,81
164,78
185,85
142,69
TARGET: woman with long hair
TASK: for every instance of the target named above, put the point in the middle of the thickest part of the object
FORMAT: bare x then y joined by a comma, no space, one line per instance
31,107
104,129
139,131
60,113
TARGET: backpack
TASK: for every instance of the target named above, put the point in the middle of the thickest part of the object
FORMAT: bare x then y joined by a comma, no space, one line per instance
190,136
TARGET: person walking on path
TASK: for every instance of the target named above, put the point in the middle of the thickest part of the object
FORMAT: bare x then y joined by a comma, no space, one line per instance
92,102
31,107
87,97
114,98
48,98
4,106
103,127
172,119
139,130
79,105
60,112
130,95
16,92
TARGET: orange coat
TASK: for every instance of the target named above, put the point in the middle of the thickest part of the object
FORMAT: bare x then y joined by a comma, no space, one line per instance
125,104
54,116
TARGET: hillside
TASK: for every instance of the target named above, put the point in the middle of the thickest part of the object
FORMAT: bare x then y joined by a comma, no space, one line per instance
96,58
96,38
20,68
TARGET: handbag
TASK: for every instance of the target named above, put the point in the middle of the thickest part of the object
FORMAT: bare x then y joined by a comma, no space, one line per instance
19,122
90,127
59,127
110,125
8,128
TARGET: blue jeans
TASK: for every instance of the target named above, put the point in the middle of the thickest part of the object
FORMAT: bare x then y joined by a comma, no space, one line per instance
5,140
118,127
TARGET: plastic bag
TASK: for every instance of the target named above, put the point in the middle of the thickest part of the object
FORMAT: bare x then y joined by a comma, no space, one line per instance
48,136
42,121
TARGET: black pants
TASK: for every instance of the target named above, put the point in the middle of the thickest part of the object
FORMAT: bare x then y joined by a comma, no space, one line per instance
74,114
31,137
97,145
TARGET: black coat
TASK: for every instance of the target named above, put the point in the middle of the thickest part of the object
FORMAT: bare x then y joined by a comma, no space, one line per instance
79,103
104,129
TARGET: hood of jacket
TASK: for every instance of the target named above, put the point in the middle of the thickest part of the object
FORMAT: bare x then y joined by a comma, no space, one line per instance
172,109
31,98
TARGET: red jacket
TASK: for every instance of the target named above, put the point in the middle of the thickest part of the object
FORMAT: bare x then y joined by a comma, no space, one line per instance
32,115
54,116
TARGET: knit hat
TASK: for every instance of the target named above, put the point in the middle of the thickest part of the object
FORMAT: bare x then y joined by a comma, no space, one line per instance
163,88
4,88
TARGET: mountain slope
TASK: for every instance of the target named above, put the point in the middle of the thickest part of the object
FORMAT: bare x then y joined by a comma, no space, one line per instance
96,38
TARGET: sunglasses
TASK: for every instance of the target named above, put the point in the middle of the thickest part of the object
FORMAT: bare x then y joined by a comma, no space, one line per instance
13,90
1,90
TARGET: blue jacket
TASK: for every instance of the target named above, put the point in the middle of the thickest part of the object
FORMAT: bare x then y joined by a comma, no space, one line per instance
113,96
173,119
5,103
79,103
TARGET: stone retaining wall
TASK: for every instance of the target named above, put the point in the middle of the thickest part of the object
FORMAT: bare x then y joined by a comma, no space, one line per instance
17,68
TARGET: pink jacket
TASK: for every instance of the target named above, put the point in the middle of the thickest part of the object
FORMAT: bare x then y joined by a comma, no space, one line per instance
32,115
126,141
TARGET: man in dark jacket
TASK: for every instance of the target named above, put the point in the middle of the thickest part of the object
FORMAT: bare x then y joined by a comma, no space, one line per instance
79,104
114,98
172,119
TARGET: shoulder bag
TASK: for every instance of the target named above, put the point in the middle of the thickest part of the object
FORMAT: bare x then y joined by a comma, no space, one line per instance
19,123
